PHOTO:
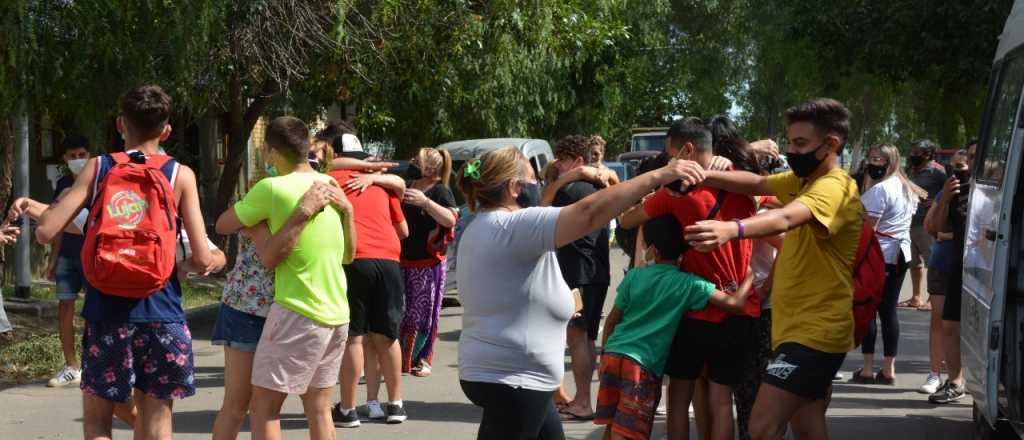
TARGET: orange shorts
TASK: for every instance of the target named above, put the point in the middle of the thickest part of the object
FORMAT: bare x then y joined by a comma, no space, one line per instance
628,396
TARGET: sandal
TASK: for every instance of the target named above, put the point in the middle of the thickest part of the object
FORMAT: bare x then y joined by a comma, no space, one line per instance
859,378
882,379
422,371
909,304
569,416
926,307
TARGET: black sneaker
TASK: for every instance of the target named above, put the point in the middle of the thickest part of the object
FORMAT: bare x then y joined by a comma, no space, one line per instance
350,420
396,414
948,393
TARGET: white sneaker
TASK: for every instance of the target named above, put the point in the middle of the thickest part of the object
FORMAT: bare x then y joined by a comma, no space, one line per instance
66,376
376,412
931,385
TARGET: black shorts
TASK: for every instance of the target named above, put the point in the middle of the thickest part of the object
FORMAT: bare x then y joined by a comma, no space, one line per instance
937,282
954,297
723,347
802,370
376,297
593,305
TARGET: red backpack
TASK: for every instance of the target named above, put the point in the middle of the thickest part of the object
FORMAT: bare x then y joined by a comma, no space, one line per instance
868,281
130,238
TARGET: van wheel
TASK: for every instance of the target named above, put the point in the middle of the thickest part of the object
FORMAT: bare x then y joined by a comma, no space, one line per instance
984,431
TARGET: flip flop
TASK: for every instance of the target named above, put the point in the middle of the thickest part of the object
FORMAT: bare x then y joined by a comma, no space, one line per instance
926,307
423,371
908,304
569,416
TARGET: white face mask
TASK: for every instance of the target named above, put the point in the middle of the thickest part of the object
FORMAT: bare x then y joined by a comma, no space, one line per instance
77,165
643,258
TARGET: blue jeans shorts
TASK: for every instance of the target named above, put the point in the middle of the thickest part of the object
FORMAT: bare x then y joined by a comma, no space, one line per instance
70,278
237,329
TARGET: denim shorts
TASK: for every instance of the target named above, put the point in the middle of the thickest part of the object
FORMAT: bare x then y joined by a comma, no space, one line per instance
70,278
237,329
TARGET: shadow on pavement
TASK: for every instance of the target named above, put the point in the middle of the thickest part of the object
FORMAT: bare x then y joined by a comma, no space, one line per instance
443,411
908,426
201,422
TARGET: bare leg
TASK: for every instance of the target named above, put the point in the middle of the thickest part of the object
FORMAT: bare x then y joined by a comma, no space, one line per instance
266,413
869,365
154,421
935,333
351,368
389,356
889,366
809,421
720,406
66,331
126,412
582,351
916,278
773,409
237,394
701,407
97,417
680,393
316,403
952,342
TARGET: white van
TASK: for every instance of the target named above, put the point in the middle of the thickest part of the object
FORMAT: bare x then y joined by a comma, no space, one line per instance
992,319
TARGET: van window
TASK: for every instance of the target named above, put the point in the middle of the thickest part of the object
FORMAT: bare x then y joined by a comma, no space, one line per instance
1002,122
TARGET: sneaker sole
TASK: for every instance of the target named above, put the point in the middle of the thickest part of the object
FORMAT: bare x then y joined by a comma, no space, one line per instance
347,424
394,420
943,402
65,384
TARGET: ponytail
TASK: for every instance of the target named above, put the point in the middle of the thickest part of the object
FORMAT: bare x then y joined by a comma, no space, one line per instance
446,166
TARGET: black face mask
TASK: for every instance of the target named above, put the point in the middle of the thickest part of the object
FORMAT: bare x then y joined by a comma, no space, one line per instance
803,164
916,161
877,172
529,195
413,172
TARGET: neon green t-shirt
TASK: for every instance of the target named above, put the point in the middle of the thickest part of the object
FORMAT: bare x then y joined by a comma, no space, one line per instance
653,299
311,281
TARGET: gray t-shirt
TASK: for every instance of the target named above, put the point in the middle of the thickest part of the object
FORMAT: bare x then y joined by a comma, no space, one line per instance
516,303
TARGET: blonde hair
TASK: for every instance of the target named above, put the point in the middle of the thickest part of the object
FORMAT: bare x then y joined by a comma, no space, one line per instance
892,154
598,142
317,145
485,188
436,163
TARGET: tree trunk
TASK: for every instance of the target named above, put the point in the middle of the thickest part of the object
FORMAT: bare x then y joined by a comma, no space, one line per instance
241,120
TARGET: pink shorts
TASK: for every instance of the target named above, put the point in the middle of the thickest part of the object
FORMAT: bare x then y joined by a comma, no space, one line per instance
296,353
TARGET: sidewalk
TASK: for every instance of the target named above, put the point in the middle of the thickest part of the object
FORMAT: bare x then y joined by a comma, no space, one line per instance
438,409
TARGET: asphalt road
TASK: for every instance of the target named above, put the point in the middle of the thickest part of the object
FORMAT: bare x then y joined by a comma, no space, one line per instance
438,409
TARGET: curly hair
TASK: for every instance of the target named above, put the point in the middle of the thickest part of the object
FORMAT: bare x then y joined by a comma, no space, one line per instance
573,147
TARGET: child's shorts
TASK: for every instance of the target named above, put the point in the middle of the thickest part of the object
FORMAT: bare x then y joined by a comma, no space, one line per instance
154,357
628,396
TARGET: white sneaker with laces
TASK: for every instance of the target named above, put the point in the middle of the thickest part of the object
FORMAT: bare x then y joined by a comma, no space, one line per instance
931,385
66,376
376,412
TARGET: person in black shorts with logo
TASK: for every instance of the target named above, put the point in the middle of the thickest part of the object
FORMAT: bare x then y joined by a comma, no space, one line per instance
585,266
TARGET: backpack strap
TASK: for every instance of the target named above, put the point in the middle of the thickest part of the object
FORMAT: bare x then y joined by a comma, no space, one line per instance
718,205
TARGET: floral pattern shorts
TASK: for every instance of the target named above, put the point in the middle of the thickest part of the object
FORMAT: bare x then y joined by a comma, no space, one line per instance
154,357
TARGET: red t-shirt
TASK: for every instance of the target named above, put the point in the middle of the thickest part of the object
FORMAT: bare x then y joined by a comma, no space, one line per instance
725,266
377,211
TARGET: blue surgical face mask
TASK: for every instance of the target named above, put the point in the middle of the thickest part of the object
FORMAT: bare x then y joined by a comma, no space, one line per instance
271,170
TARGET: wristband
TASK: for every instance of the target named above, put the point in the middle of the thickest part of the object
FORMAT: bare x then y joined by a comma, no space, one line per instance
739,228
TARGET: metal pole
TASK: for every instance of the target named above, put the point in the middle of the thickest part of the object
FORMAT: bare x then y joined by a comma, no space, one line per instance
23,253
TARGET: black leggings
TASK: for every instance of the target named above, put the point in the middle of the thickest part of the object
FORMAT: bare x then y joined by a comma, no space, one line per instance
514,413
894,274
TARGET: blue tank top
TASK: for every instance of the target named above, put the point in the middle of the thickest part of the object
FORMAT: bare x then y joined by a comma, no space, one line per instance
163,305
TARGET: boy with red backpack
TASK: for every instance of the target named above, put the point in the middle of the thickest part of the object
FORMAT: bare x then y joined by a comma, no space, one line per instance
136,347
813,285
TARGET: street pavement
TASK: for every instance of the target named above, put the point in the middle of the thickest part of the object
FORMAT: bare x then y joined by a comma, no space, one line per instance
438,409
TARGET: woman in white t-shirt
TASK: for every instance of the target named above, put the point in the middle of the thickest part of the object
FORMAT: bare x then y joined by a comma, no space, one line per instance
890,200
515,303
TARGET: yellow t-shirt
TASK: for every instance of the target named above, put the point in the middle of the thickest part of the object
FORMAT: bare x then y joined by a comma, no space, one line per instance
812,291
311,281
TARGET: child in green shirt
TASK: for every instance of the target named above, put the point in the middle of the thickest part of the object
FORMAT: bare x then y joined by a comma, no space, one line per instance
639,330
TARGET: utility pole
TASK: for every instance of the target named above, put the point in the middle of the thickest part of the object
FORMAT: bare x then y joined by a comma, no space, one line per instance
23,252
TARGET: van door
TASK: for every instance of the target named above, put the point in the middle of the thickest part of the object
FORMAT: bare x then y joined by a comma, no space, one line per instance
987,236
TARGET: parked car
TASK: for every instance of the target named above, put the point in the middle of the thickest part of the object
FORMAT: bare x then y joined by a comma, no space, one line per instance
537,151
647,139
992,317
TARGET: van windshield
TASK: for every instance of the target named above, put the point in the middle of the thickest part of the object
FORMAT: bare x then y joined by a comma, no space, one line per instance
651,142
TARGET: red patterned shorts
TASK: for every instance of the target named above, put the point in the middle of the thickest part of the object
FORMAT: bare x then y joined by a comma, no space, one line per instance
628,396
